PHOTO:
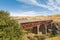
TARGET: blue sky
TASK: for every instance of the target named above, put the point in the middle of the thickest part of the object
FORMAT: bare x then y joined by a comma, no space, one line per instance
30,7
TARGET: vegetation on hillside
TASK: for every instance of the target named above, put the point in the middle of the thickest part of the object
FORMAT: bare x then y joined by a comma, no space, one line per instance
9,28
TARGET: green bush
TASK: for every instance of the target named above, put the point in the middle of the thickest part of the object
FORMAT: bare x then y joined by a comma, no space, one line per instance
9,28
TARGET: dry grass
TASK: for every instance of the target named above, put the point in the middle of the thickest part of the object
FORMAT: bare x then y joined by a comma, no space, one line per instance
55,18
53,38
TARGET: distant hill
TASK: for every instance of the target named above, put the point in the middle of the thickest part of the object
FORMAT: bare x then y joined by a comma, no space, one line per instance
56,18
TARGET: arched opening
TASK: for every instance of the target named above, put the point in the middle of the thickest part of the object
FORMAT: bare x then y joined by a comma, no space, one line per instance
42,29
34,30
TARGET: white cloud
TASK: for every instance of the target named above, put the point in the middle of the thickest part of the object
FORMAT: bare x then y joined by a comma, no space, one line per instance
50,4
34,2
28,1
58,1
29,13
